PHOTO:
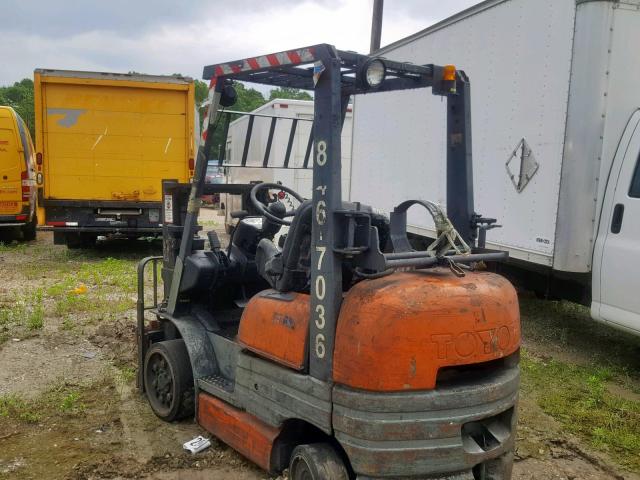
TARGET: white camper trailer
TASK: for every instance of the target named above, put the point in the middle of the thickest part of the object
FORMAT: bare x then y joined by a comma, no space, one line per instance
556,141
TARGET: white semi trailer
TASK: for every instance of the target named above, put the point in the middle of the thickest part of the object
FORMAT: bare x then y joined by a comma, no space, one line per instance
556,141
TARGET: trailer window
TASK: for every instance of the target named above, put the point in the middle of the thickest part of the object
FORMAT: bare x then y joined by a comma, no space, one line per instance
634,191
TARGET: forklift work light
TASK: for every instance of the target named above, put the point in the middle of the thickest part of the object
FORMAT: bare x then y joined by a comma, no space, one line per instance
374,72
449,74
229,95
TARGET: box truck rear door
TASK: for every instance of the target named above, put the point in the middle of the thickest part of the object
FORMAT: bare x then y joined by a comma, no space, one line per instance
619,302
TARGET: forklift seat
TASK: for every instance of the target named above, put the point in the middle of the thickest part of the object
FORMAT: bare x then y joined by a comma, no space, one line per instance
288,269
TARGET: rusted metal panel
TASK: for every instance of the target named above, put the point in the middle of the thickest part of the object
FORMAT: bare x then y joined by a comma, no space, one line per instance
277,328
243,432
395,333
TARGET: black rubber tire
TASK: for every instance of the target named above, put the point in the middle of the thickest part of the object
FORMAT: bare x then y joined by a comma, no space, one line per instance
29,230
72,241
316,461
171,396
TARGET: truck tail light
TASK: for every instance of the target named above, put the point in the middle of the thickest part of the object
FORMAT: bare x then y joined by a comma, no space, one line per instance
62,224
192,164
39,158
21,218
26,186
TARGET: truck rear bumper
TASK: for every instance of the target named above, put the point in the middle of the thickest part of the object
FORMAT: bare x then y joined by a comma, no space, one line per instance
102,217
11,224
104,230
434,433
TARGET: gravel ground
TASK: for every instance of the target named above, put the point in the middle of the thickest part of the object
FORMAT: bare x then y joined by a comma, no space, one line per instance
69,407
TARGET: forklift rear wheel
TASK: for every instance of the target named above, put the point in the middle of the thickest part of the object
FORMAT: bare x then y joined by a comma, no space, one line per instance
168,380
318,461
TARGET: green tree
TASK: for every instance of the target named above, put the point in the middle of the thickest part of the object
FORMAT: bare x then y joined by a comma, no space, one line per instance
248,99
19,96
290,93
202,92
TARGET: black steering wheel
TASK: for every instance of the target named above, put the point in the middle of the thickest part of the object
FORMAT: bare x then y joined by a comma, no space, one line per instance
262,208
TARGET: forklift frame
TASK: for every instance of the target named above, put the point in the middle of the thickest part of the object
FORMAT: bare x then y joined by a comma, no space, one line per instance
334,76
267,409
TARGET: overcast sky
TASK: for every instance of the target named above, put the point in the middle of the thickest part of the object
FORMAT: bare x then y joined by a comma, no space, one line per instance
181,36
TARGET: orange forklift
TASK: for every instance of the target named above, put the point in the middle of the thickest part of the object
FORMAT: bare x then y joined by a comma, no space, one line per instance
339,351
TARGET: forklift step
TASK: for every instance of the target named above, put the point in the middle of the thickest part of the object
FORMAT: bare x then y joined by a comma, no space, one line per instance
218,386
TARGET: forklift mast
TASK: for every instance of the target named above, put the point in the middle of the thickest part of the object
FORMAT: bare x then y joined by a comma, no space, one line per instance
340,229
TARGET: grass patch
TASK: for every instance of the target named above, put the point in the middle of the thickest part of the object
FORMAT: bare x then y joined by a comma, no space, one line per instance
15,407
63,287
71,402
208,223
566,329
577,396
68,324
35,319
74,303
13,247
110,272
126,373
26,311
64,400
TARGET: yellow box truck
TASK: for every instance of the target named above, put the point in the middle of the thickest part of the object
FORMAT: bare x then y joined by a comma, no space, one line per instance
104,143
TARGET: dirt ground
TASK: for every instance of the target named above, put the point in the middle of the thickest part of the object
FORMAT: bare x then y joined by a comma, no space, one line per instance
69,408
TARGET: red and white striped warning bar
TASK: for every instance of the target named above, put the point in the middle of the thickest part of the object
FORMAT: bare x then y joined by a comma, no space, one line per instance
290,57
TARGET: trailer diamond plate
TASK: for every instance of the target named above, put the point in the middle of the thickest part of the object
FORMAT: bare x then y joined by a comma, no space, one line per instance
522,165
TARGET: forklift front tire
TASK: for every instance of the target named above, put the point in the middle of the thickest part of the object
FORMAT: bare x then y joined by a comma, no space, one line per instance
317,461
168,380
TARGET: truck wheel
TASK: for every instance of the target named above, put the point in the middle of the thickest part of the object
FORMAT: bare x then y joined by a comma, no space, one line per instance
75,241
168,380
318,461
88,240
29,230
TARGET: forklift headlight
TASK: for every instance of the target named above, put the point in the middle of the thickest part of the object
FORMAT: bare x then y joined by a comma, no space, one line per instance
229,95
373,73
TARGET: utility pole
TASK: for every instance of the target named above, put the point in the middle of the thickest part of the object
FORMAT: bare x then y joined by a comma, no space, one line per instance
376,25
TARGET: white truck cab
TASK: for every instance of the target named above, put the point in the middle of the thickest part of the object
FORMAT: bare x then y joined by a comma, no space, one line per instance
616,258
